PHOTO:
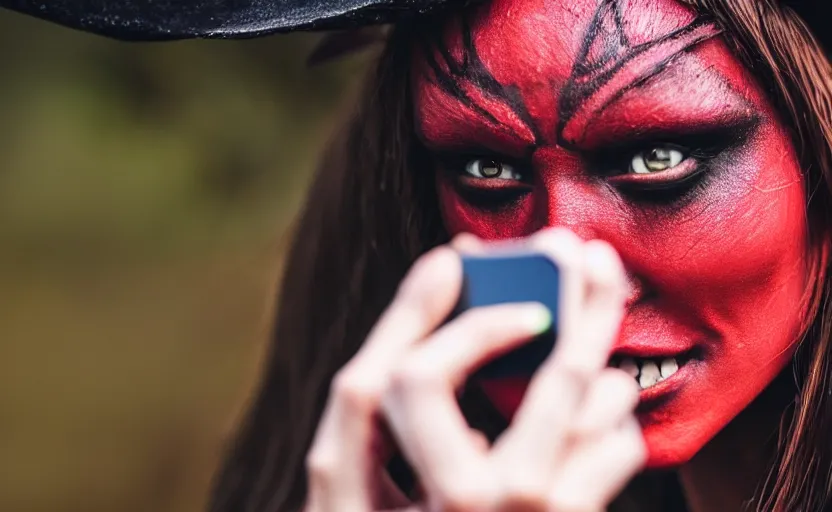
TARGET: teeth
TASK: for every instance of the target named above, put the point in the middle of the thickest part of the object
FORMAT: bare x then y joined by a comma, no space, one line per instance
647,372
650,375
668,368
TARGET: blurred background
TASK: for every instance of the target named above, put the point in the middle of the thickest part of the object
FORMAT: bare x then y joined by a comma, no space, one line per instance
146,195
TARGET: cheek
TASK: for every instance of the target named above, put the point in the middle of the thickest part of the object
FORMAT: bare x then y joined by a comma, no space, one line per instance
509,221
739,248
733,270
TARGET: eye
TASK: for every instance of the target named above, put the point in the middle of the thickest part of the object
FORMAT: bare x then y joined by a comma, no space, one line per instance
655,160
490,183
659,172
484,168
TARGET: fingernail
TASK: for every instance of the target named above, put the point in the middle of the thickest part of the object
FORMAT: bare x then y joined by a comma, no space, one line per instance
538,318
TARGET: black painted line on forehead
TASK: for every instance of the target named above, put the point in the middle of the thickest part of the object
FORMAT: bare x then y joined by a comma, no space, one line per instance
588,78
646,78
473,71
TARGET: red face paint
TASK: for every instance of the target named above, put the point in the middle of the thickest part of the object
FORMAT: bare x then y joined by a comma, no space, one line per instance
632,122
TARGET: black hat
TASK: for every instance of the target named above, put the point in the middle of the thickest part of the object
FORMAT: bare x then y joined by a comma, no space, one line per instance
165,20
160,20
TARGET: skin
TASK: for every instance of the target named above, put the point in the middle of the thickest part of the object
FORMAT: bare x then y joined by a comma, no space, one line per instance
714,246
574,455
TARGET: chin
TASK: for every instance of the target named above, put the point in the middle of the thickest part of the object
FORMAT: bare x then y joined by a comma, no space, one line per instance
677,430
683,415
665,454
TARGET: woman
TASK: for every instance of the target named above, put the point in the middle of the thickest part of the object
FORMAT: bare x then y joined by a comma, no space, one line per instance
672,156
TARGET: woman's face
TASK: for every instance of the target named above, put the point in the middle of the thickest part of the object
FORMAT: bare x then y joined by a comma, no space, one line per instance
632,122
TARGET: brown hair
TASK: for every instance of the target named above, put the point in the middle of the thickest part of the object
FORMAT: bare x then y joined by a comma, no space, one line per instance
775,43
370,214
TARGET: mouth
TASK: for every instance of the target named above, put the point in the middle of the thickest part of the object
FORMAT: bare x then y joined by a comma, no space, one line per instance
652,372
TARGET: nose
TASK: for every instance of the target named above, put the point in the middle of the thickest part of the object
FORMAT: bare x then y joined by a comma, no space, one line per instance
568,196
574,204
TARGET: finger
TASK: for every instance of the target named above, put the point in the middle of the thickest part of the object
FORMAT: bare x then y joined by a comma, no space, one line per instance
480,441
591,311
343,441
420,404
566,250
424,301
596,472
466,243
390,496
586,347
530,446
538,436
610,399
475,337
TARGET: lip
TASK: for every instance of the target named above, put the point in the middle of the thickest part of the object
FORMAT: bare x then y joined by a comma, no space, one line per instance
652,350
507,393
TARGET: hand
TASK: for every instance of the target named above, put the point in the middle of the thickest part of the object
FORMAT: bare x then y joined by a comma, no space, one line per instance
573,444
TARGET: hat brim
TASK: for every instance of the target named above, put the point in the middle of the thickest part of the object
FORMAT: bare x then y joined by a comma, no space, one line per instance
165,20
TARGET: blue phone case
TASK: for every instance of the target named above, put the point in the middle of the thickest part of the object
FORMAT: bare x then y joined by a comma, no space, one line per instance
499,279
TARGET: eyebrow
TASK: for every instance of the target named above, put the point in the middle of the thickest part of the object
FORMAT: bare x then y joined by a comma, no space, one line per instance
593,86
718,107
450,74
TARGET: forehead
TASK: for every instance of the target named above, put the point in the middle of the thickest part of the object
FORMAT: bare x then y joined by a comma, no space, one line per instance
547,37
517,61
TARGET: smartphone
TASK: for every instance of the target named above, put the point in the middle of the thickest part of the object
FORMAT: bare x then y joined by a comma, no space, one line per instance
491,280
510,278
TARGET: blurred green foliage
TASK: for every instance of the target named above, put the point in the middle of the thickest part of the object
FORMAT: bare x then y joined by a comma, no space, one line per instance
146,192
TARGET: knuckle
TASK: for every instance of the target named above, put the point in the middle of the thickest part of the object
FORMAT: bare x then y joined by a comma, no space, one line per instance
419,266
415,374
629,390
614,378
631,449
472,320
525,492
560,235
561,245
415,287
356,391
639,457
619,383
466,241
320,465
572,501
570,376
577,498
637,448
604,266
464,495
604,251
